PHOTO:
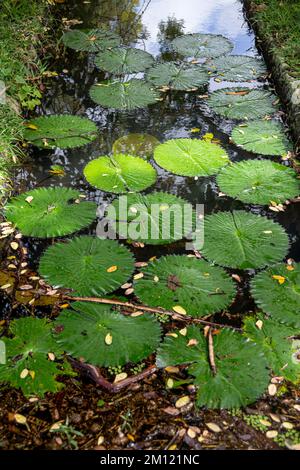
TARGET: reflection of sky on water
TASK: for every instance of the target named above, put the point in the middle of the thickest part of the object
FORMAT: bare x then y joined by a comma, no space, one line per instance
206,16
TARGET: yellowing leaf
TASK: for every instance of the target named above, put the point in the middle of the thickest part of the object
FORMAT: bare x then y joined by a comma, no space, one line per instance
32,126
290,268
32,374
183,401
208,137
20,418
179,309
108,339
280,279
195,129
112,269
14,245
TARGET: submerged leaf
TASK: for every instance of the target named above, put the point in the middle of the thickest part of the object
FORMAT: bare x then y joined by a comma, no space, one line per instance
199,288
123,95
124,60
241,370
263,137
177,77
104,337
243,240
202,45
190,157
280,300
63,131
120,173
259,181
51,212
141,145
81,264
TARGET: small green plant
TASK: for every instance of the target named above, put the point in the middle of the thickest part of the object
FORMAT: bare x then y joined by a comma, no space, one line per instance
67,431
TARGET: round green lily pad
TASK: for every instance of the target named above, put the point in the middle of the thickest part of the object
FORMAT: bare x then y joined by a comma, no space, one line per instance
177,77
180,281
94,40
141,145
88,265
202,45
243,240
190,157
50,212
277,292
124,60
259,182
120,173
262,137
237,68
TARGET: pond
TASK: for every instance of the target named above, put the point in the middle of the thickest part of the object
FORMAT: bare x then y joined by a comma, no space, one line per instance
183,113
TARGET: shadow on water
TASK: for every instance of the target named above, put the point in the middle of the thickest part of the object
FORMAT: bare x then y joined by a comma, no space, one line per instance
148,25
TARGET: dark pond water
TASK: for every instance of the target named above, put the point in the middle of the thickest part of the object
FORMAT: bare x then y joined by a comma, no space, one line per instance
147,25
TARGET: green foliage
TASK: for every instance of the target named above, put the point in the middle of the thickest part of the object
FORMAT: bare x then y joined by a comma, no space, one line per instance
145,218
190,157
104,337
241,369
64,131
29,354
243,240
195,285
90,266
141,145
237,68
123,95
177,77
277,292
276,341
124,60
120,173
94,40
242,103
259,182
50,212
202,45
264,137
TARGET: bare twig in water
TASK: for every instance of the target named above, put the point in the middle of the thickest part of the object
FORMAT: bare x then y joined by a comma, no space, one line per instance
211,353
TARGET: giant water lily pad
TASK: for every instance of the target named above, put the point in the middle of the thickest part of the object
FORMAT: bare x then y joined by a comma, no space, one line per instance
104,337
94,40
177,77
243,240
194,285
276,341
50,212
241,369
263,137
156,218
277,292
237,68
123,95
124,60
202,45
259,182
190,157
242,103
120,173
29,364
64,131
142,145
88,265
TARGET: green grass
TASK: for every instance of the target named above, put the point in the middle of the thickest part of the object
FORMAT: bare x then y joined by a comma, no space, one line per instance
281,20
22,26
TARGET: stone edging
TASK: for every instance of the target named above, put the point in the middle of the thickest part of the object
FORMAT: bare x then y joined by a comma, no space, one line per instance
288,88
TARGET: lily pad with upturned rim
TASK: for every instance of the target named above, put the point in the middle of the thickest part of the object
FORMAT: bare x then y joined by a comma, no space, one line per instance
240,239
123,95
190,157
156,218
242,103
83,332
262,137
120,173
50,212
61,130
141,145
94,40
124,60
177,77
88,265
202,45
195,285
237,68
277,292
259,182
